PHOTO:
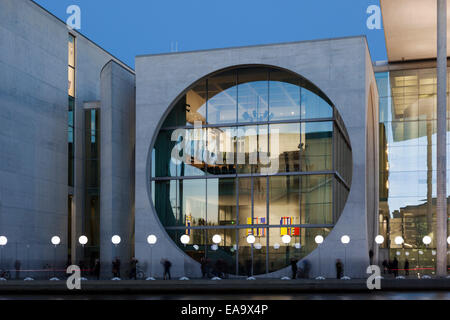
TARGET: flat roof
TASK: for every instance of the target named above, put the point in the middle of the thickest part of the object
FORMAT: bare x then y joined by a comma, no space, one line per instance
362,36
410,28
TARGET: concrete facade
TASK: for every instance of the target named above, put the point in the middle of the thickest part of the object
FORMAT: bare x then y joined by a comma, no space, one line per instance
117,173
33,140
341,68
33,133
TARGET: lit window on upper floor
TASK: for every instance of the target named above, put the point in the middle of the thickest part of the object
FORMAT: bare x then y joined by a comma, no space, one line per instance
71,66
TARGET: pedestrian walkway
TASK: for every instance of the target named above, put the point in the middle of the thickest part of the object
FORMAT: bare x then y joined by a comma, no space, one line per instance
238,286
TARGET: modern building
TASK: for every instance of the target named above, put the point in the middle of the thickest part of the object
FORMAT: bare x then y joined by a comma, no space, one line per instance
236,158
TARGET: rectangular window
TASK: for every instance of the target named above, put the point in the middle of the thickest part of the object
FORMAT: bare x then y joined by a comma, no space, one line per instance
221,207
193,202
284,199
71,66
70,141
284,96
71,109
222,95
315,147
316,199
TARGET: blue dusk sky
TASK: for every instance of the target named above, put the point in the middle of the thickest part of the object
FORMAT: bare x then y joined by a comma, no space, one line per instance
136,27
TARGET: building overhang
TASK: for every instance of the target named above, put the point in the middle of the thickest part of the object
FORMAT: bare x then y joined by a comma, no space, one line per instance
410,28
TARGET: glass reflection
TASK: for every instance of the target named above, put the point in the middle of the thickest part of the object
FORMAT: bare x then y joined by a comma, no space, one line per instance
316,201
193,195
408,161
235,134
259,204
196,104
252,148
313,106
316,144
167,202
221,145
221,260
284,199
285,146
222,95
221,195
284,96
253,95
245,200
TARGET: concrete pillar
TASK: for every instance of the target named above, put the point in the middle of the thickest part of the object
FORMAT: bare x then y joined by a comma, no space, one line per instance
441,214
116,173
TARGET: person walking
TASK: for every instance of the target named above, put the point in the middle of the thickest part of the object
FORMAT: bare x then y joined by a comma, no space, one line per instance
133,268
294,268
406,267
385,266
306,267
204,267
167,265
116,268
371,256
208,268
339,269
17,265
395,267
97,268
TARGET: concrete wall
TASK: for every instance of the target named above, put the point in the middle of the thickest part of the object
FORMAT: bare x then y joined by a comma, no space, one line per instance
90,59
33,132
117,170
339,67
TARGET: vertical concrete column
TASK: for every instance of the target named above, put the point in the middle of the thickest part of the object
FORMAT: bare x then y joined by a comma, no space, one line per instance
441,216
117,116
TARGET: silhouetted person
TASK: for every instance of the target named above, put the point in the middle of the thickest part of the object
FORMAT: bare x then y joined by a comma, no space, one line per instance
304,269
82,266
406,267
133,268
248,265
97,268
208,267
339,269
294,268
116,268
17,265
166,264
371,256
385,266
219,272
395,267
204,267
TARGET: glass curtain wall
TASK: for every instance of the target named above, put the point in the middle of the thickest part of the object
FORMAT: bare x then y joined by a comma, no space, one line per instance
254,152
407,135
92,189
70,136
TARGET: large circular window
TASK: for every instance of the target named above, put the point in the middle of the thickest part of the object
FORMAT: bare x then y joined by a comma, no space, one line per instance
250,165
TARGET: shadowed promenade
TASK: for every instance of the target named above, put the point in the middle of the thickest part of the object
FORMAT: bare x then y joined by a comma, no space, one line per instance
221,286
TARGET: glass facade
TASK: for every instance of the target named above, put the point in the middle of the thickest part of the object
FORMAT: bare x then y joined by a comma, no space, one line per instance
70,136
91,219
71,108
407,136
250,151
